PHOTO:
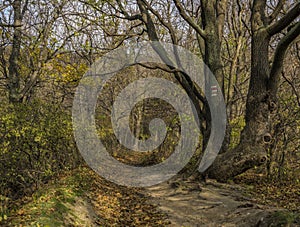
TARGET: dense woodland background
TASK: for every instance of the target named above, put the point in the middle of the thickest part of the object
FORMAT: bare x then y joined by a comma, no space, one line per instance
251,46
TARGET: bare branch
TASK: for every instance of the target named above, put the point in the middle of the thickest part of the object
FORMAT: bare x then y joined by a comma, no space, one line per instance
146,18
285,21
279,57
25,7
168,25
10,25
293,87
157,66
189,20
276,10
184,80
127,16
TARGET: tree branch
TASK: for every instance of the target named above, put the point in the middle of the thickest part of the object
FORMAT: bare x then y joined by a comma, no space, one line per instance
277,10
10,25
146,18
293,87
168,25
127,16
163,22
25,7
183,79
284,21
157,66
279,57
189,20
221,11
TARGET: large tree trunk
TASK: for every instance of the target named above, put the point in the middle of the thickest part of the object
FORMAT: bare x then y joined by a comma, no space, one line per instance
13,76
261,98
213,17
250,151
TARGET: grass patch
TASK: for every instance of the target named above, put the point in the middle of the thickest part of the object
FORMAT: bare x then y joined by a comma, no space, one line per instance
283,218
82,198
49,205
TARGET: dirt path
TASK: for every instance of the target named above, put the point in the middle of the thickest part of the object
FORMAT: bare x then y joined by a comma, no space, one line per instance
82,198
212,204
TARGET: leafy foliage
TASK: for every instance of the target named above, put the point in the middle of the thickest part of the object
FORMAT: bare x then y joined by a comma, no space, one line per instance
36,140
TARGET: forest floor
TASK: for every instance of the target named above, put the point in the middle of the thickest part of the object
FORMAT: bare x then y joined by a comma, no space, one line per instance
82,198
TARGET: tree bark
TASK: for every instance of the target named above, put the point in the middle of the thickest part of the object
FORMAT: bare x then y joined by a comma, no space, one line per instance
13,75
261,97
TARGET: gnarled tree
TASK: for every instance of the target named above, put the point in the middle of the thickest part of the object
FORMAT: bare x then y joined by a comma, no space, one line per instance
264,81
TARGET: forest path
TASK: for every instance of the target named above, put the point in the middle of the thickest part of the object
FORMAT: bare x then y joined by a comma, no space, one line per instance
189,203
82,198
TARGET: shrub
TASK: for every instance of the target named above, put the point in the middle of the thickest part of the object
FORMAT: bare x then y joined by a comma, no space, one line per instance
36,141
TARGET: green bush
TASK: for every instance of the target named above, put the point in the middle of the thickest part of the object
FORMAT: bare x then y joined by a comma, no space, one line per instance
36,141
